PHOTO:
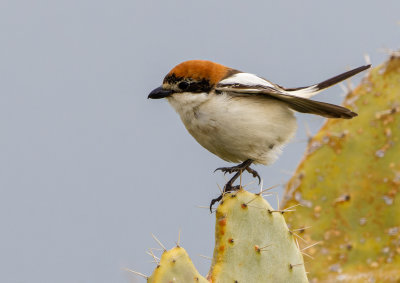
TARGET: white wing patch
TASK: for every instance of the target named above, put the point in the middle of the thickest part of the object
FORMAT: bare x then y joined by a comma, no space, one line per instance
250,83
245,79
306,92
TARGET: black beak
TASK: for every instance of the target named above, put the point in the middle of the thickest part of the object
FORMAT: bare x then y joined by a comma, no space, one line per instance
160,93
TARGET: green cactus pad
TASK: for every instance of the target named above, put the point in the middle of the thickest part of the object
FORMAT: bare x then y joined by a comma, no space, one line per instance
349,186
253,243
175,266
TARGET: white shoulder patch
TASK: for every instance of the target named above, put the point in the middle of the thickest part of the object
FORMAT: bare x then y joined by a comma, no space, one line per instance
246,79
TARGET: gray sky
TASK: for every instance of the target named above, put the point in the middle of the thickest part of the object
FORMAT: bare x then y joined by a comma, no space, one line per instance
89,167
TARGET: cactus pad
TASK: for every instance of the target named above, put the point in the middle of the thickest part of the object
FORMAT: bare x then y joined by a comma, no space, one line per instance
175,266
253,243
349,186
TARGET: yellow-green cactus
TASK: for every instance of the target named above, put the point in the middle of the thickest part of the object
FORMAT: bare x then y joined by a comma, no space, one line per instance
349,186
175,266
253,243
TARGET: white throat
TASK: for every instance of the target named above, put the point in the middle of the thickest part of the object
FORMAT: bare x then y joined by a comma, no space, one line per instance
186,103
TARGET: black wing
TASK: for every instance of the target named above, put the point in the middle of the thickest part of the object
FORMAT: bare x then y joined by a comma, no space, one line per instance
300,104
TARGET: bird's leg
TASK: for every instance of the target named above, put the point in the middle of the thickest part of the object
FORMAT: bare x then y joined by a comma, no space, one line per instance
238,169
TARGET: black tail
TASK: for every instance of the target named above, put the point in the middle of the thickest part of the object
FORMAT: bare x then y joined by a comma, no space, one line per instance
341,77
309,90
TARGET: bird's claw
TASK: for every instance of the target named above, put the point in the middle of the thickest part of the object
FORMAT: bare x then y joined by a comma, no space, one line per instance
225,170
254,173
238,170
229,170
214,201
228,188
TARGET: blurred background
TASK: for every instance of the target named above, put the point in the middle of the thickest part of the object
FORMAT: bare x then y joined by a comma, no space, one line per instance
89,167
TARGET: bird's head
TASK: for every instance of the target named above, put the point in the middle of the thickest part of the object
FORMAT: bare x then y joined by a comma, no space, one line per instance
194,76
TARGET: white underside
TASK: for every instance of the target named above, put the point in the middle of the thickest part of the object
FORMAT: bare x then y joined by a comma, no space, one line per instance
236,128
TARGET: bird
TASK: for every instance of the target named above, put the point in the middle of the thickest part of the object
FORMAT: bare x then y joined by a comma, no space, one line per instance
239,116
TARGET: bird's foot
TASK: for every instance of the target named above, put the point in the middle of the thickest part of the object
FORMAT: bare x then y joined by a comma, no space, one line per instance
240,168
228,188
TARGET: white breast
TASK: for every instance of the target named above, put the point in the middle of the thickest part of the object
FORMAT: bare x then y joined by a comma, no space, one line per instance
236,128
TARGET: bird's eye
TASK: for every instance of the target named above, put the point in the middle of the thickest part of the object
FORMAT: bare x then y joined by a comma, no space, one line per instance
183,85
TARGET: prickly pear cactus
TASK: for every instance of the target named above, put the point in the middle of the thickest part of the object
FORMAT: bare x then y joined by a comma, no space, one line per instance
175,266
253,243
349,187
